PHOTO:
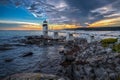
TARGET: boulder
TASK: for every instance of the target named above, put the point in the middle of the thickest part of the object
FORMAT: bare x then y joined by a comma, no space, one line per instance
62,52
101,73
113,76
8,60
27,54
4,47
88,69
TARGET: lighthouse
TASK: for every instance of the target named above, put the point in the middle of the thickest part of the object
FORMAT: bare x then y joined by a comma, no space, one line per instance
45,28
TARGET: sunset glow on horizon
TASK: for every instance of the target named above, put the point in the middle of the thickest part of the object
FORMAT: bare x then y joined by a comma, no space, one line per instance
106,23
61,14
34,26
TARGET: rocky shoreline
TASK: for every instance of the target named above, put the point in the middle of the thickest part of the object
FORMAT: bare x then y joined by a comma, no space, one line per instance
79,60
90,61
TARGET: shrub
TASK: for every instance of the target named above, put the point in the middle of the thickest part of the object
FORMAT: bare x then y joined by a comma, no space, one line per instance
116,47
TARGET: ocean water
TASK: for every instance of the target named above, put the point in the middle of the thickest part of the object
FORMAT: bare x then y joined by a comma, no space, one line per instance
28,64
41,54
4,34
19,34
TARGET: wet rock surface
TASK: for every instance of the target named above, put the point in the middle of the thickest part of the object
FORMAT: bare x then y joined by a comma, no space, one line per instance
40,40
90,61
32,54
77,60
8,60
5,47
27,54
33,76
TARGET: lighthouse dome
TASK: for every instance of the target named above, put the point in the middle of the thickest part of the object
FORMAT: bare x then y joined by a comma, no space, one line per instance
44,23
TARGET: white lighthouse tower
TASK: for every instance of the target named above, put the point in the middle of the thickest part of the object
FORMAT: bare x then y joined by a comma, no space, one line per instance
45,28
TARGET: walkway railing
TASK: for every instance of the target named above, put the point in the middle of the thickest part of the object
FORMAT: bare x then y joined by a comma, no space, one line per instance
69,35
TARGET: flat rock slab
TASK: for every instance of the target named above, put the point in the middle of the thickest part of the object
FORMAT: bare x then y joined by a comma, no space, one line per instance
32,76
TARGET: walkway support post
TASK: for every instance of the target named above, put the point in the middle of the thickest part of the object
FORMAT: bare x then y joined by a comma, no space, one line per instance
119,39
55,35
90,39
69,36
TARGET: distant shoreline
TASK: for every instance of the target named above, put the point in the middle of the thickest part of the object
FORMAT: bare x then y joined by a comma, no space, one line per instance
82,28
98,29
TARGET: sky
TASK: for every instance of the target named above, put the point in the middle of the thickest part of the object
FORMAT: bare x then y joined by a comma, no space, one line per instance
29,14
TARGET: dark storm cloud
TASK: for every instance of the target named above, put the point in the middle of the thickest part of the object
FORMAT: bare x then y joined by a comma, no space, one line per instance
86,7
109,10
70,11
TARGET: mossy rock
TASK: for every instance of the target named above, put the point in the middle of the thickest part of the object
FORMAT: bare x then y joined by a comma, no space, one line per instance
116,47
118,78
107,41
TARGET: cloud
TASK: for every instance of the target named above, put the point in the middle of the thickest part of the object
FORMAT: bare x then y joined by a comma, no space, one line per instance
70,11
107,11
22,27
104,10
17,22
113,15
60,19
106,23
49,9
16,25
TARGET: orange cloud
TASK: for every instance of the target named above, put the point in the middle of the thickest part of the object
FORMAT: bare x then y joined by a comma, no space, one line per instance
106,23
62,26
39,27
24,27
31,27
